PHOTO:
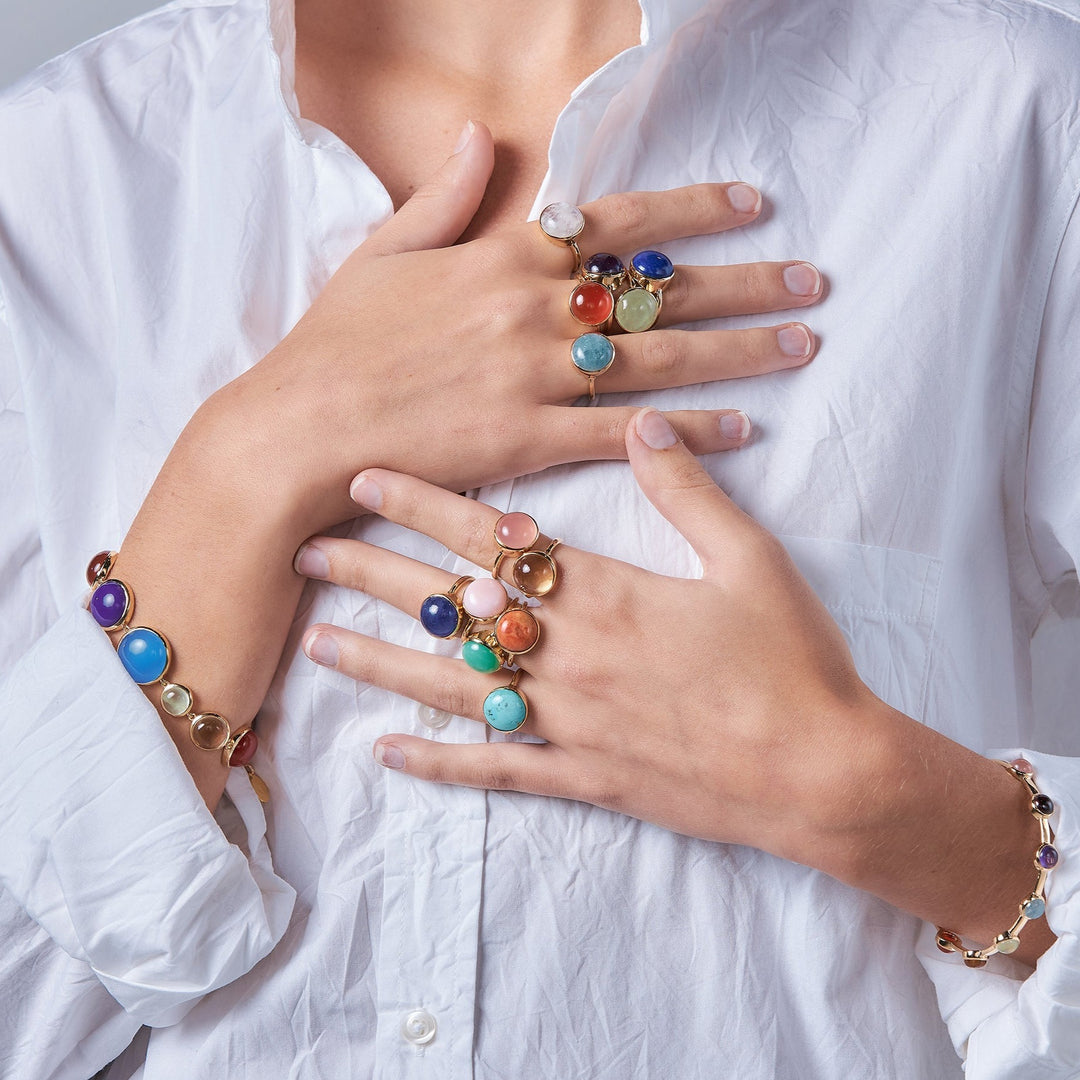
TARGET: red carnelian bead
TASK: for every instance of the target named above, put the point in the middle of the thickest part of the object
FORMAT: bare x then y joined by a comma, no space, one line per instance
591,303
245,748
97,563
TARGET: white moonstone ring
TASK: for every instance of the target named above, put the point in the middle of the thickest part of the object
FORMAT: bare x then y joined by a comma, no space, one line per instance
563,222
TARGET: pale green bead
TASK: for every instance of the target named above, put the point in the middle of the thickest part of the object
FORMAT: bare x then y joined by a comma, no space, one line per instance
176,700
1008,945
636,310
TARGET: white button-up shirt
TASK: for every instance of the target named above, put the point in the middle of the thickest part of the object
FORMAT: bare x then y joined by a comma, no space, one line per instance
165,217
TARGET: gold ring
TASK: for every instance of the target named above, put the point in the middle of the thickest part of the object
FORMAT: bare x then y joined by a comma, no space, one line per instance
442,615
534,572
506,708
563,222
638,308
592,354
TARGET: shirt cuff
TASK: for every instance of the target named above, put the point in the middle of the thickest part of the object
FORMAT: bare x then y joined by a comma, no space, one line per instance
107,843
1013,1022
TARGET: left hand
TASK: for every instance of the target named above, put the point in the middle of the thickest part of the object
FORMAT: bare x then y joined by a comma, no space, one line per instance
733,728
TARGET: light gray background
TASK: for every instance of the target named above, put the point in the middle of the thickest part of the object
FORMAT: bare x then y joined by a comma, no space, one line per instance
32,31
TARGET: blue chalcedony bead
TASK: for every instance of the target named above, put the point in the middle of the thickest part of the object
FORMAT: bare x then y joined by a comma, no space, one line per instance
592,353
603,264
439,616
109,603
654,265
1034,908
144,654
505,709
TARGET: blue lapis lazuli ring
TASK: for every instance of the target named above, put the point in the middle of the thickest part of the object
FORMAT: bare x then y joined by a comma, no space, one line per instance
651,270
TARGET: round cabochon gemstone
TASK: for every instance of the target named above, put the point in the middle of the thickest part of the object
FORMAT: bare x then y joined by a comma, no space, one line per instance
480,657
592,353
1035,908
516,531
1042,804
591,303
505,709
109,604
517,631
209,731
654,265
245,748
439,616
144,654
176,700
562,220
1023,765
1007,944
603,265
1047,856
534,573
636,310
947,941
485,598
96,565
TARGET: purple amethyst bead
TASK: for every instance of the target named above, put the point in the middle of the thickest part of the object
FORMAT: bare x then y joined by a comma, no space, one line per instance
1047,856
109,604
603,264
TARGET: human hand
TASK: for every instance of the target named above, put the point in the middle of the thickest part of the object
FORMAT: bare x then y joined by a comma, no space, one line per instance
721,708
452,363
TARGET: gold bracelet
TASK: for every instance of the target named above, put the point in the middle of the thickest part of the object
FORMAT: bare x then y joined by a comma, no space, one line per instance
1032,906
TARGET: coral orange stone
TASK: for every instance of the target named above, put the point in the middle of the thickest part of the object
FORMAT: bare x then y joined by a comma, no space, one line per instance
591,303
517,631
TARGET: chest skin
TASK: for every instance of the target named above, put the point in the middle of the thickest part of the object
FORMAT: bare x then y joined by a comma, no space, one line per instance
401,107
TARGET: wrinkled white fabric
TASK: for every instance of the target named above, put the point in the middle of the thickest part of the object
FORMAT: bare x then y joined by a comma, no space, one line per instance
166,216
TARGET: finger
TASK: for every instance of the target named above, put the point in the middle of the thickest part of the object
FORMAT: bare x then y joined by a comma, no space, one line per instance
376,571
500,766
663,358
680,488
439,212
573,434
713,292
442,682
631,220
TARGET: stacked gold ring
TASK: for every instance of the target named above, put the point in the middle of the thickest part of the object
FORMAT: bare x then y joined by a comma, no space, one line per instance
535,571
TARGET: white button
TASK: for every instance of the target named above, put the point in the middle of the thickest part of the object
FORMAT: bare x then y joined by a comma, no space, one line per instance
432,718
418,1027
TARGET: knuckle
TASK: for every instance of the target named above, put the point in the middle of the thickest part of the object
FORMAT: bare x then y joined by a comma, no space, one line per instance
663,354
628,212
478,544
493,775
454,699
754,290
708,203
676,293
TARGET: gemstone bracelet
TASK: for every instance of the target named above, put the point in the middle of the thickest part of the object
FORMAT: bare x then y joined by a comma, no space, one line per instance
1032,906
146,656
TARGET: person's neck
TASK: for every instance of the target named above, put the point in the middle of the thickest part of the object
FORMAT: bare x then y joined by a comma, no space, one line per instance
485,40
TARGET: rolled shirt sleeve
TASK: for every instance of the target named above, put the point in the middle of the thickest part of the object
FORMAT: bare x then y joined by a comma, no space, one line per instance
105,842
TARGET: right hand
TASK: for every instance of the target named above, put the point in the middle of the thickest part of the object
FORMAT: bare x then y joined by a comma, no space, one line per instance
452,363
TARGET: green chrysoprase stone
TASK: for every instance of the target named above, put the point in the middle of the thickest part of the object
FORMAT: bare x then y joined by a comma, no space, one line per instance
479,657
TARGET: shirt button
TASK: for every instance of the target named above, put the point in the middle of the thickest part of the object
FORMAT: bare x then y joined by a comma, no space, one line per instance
432,718
418,1027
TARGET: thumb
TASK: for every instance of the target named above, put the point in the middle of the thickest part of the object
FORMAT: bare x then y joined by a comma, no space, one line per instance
678,486
439,212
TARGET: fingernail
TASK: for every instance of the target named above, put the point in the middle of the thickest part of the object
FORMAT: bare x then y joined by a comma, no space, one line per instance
735,425
311,562
389,755
366,492
464,137
655,431
744,198
802,279
794,341
323,649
